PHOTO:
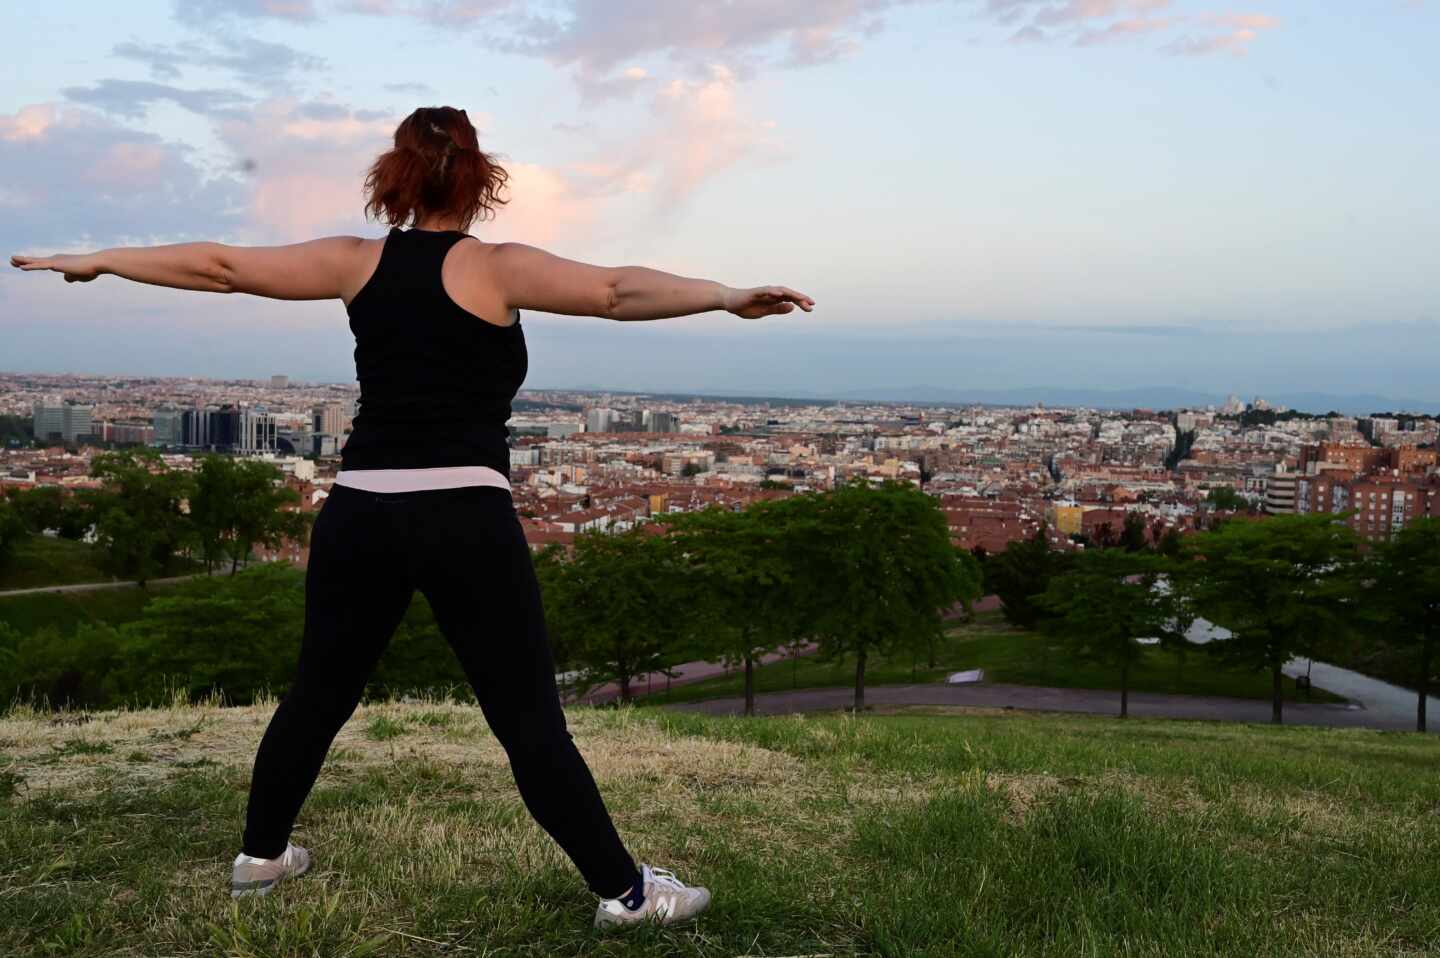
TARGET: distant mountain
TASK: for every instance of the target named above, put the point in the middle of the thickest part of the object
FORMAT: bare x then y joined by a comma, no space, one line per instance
1138,397
1142,397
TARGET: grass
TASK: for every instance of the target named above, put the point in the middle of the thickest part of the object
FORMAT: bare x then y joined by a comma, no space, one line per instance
1007,655
966,835
63,610
49,560
46,560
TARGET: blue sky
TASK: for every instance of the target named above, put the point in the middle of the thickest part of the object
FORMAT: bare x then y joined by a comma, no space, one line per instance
978,193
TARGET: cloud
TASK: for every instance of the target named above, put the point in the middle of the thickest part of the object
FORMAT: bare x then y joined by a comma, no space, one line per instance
132,98
601,40
1124,29
1089,23
164,62
1223,33
205,12
259,62
307,162
77,179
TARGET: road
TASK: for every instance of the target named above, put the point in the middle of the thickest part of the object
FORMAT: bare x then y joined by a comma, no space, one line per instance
1094,701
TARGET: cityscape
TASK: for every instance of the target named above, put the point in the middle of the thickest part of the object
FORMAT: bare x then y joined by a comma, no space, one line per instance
583,461
723,478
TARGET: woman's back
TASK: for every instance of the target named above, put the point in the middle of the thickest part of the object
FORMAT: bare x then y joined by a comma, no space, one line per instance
436,380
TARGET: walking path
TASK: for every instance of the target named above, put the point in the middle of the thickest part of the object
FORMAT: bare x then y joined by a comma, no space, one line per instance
683,675
93,586
1094,701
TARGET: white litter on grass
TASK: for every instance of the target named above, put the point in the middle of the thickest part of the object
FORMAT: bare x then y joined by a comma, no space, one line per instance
960,678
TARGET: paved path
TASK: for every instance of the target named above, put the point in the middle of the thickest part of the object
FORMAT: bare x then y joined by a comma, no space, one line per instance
1379,698
93,586
684,675
991,696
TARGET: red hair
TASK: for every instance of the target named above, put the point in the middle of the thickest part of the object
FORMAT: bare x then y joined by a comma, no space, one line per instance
436,166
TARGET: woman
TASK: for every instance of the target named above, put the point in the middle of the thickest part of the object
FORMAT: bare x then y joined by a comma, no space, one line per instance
422,499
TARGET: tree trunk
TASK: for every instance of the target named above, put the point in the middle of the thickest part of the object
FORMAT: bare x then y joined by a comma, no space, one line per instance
795,667
1426,651
1125,690
234,563
625,689
860,681
749,685
932,651
1276,716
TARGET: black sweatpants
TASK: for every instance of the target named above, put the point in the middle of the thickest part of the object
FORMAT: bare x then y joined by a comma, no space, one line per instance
465,550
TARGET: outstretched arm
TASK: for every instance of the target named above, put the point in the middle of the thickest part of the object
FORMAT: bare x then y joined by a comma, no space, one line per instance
317,269
535,279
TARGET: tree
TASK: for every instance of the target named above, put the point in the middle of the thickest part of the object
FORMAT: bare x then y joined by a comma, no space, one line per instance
1133,537
260,516
237,635
1226,499
617,605
1022,571
739,568
12,532
1275,584
1106,603
238,504
1404,596
881,567
972,577
50,507
138,521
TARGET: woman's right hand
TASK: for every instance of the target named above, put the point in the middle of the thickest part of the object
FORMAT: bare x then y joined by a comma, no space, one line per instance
765,301
77,269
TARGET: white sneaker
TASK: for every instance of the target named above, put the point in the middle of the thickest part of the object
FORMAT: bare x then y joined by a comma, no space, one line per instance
256,876
666,901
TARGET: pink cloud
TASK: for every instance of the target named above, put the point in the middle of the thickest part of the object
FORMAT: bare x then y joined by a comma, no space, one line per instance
29,123
1124,29
1233,33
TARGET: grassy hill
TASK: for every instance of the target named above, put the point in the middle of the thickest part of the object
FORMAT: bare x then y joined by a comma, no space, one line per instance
974,834
64,609
49,560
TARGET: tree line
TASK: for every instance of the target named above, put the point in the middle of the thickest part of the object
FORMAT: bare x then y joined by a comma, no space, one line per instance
857,570
1282,587
146,512
861,569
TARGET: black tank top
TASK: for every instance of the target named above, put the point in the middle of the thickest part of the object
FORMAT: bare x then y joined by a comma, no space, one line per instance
436,381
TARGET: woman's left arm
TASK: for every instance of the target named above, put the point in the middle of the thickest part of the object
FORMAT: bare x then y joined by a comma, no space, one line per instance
318,269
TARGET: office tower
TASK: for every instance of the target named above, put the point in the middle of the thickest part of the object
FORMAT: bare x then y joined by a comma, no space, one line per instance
65,421
257,431
169,424
599,420
661,422
329,418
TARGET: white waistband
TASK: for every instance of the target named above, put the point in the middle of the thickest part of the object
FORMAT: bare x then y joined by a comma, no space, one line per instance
414,480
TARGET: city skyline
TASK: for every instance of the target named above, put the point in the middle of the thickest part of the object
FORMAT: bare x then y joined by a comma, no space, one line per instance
1171,192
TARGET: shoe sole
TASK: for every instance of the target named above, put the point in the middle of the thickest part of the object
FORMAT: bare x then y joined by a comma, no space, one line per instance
603,918
259,889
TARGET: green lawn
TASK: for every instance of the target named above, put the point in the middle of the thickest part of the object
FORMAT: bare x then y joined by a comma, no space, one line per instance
46,560
43,560
63,609
1007,655
972,835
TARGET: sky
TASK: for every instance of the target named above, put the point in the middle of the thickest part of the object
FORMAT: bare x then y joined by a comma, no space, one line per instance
1220,195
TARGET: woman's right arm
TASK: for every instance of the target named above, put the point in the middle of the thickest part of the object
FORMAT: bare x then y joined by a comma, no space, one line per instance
534,279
